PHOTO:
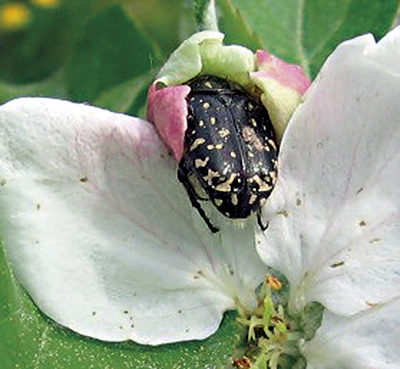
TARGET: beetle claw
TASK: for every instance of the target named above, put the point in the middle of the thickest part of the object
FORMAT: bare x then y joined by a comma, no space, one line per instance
262,226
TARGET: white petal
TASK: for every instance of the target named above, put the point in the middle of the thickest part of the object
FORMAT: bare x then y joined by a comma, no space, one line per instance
334,214
369,340
101,233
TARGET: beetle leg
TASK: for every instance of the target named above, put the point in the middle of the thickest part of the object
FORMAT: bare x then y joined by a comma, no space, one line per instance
193,196
262,226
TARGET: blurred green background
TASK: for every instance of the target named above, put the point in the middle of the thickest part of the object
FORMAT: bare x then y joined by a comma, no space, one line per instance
106,52
103,52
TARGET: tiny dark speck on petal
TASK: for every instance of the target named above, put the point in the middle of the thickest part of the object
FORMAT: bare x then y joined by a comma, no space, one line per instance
93,313
283,212
126,312
179,311
335,265
298,202
2,182
83,179
359,190
132,326
37,206
187,330
374,240
362,223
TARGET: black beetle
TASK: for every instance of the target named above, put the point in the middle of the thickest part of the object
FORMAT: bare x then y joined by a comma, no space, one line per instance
229,148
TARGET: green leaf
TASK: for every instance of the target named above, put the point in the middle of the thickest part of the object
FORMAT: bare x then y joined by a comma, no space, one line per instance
31,340
111,51
311,319
121,97
304,31
166,23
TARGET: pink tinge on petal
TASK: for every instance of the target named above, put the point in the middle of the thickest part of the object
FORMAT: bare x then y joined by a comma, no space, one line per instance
289,75
167,109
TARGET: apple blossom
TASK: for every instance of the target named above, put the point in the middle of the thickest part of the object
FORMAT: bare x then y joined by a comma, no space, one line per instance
104,239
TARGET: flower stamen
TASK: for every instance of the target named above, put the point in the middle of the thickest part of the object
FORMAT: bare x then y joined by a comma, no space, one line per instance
274,336
274,282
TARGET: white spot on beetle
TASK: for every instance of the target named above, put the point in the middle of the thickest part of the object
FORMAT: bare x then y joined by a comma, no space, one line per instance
197,143
262,185
201,163
206,105
213,120
234,199
223,132
218,202
210,175
249,135
252,199
272,144
226,186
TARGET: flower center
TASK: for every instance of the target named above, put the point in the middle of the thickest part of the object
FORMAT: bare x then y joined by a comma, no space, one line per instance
274,336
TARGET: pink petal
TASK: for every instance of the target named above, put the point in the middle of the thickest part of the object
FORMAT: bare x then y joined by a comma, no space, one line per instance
167,109
289,75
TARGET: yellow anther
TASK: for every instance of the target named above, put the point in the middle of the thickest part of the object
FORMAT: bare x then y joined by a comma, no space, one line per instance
274,282
46,3
14,16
